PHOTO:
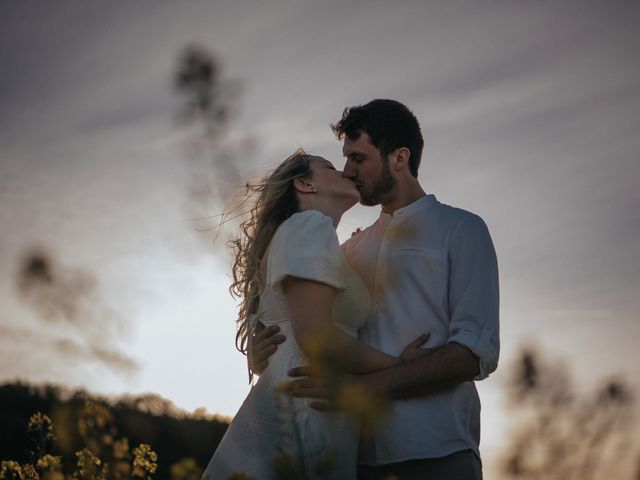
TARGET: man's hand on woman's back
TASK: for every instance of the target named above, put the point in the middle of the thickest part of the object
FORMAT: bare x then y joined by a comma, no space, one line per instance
265,343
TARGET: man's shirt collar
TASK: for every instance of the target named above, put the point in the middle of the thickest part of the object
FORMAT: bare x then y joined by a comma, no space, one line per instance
410,210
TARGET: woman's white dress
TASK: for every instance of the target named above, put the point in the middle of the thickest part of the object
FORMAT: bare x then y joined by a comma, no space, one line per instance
270,424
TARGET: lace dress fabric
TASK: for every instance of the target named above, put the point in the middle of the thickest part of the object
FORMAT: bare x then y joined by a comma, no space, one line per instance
270,424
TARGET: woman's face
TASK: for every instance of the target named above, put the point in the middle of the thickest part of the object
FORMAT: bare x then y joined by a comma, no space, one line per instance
330,183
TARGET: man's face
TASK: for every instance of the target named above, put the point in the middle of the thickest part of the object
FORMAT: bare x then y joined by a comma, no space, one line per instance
368,170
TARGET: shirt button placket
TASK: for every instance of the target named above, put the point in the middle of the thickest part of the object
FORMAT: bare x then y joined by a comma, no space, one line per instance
379,282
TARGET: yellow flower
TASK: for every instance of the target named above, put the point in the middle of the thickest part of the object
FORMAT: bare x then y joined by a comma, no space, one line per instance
185,469
49,462
40,425
10,470
94,418
51,467
29,472
121,448
144,461
89,467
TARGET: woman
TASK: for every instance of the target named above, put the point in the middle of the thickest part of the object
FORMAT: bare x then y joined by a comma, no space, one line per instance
289,271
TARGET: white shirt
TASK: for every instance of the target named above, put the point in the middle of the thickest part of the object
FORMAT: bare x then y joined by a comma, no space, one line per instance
429,268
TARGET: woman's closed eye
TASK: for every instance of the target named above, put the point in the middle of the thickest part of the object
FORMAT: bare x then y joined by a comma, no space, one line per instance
329,166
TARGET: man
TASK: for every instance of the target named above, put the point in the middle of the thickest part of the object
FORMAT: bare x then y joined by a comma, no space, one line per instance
431,269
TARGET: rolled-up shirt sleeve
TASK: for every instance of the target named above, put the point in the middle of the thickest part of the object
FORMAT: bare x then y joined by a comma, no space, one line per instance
474,293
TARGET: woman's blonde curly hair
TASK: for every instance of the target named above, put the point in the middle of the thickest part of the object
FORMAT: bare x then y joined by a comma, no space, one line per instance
275,201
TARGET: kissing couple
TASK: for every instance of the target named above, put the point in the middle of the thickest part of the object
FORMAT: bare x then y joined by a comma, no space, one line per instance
404,313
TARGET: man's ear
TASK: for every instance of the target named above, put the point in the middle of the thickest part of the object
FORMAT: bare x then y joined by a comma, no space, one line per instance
303,185
399,159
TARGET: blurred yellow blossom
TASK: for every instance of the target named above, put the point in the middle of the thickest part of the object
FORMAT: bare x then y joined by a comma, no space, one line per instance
185,469
40,425
144,461
93,419
354,399
10,470
29,472
89,467
121,466
50,467
287,467
237,476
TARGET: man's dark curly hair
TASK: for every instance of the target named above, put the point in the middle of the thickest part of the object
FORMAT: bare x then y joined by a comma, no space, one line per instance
389,124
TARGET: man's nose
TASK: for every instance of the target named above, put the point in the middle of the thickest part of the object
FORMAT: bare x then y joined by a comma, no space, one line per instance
349,172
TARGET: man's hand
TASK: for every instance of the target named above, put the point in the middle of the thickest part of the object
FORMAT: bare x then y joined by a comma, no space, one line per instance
265,344
329,391
315,383
414,349
326,388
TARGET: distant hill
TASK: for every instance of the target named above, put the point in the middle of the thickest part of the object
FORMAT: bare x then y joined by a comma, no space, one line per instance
172,433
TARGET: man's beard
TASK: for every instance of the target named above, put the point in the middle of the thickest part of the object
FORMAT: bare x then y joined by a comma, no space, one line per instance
380,190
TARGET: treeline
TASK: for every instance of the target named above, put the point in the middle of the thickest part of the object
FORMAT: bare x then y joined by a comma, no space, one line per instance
81,419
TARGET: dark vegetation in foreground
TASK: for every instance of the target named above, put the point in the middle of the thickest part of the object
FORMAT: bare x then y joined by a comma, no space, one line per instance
80,420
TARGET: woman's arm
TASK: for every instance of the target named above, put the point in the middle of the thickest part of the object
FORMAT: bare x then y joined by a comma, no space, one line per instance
310,309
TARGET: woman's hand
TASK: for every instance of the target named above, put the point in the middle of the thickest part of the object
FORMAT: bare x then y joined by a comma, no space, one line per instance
413,350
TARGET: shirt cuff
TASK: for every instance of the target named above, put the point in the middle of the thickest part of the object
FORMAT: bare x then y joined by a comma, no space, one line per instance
481,347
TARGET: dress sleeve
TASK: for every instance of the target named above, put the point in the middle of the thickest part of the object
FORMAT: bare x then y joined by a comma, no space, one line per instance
473,296
306,246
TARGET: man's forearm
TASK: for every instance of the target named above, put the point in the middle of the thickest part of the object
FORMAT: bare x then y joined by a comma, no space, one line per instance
442,368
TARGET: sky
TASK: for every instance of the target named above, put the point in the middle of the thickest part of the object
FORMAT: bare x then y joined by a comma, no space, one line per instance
530,117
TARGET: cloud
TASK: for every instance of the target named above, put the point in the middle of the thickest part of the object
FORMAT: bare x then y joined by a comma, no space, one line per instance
39,353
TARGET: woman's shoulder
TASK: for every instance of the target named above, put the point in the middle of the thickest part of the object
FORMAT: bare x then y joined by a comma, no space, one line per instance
311,217
307,223
310,230
306,246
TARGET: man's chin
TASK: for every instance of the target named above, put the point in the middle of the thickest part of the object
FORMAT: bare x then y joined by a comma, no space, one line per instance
369,202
